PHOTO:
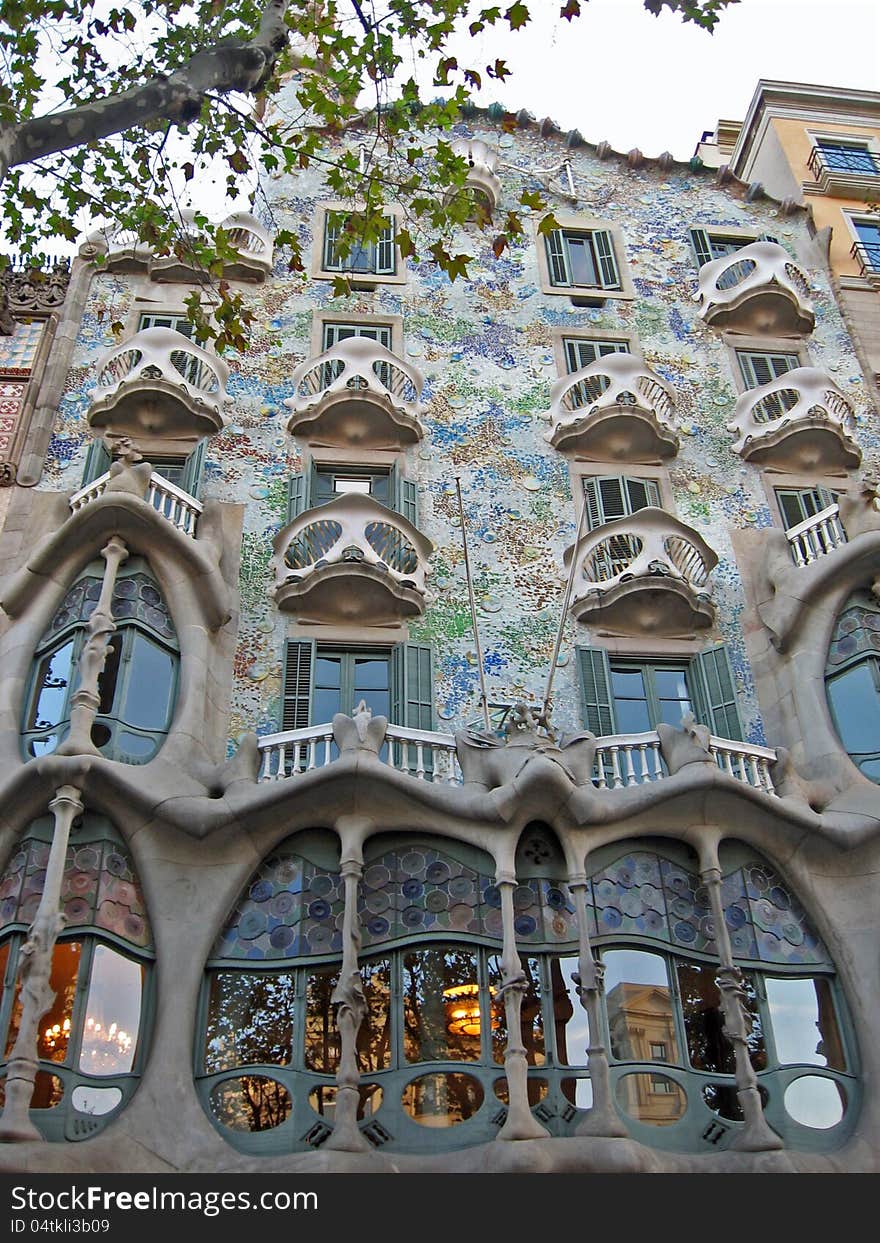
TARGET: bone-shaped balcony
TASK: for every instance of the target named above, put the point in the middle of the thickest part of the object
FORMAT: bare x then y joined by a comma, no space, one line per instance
800,421
757,289
159,383
645,574
250,243
481,180
615,409
352,560
357,393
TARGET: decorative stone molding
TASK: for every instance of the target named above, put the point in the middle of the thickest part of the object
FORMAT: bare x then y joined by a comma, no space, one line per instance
688,745
800,422
124,251
757,289
29,291
158,383
357,393
359,732
643,574
615,409
352,560
481,180
489,761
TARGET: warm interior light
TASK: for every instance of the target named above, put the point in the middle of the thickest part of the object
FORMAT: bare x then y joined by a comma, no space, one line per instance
463,1017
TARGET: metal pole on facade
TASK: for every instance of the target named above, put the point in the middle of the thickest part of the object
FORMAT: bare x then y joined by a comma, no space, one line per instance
565,602
467,570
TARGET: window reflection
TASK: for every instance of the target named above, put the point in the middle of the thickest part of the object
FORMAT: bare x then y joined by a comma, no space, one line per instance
250,1103
374,1034
569,1016
531,1018
323,1100
322,1036
55,1025
442,1100
655,1099
250,1019
433,980
113,1014
815,1102
708,1046
804,1025
639,1005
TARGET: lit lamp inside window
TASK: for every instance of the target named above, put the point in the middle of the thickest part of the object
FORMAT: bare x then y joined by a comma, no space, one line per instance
463,1016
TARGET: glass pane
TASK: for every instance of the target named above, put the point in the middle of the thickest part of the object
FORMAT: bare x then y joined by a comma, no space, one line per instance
374,1033
55,1024
639,1005
708,1046
328,671
627,683
856,708
52,681
150,682
569,1016
48,1091
442,1100
441,1005
250,1019
723,1099
671,684
172,471
582,264
95,1101
108,676
655,1099
323,1100
531,1018
251,1103
322,1036
113,1014
815,1101
536,1089
804,1025
371,673
578,1092
632,716
344,484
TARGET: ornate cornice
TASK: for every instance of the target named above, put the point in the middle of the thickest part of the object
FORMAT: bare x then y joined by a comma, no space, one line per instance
31,291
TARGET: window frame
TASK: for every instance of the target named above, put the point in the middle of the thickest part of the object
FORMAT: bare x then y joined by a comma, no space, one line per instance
365,279
563,337
736,344
585,294
853,220
581,471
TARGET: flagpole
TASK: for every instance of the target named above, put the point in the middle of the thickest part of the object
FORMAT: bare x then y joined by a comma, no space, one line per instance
565,602
470,584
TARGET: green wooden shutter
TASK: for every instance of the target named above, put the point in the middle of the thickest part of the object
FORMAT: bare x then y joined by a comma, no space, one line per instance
595,674
332,230
385,250
191,480
296,690
641,493
409,501
719,688
613,497
296,496
412,701
594,507
604,248
97,462
702,246
556,258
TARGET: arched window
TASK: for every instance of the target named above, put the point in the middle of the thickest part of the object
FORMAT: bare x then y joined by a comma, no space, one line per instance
138,684
852,679
91,1042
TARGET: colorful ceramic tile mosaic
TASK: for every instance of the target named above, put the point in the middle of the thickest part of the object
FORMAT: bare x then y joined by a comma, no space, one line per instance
425,890
290,909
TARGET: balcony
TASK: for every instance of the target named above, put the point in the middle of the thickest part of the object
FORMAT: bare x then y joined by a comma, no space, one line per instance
867,256
816,536
645,574
481,180
616,409
351,561
757,289
357,394
180,509
158,383
799,422
842,173
125,252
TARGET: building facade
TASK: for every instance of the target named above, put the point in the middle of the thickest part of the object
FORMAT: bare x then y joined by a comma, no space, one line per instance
331,900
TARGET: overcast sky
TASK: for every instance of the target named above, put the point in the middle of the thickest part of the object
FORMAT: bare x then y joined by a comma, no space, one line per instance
621,74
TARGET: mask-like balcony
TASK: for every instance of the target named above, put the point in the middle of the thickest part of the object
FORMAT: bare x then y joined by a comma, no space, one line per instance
481,180
757,289
357,393
616,409
158,383
351,561
645,574
124,252
800,421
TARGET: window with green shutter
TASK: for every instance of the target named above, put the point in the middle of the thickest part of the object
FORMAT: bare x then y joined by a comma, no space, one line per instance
321,484
609,497
368,257
759,367
582,259
796,505
580,352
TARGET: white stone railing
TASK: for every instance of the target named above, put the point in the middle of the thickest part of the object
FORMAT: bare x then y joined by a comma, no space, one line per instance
802,399
124,247
363,370
759,268
616,384
481,178
181,509
649,542
621,760
815,537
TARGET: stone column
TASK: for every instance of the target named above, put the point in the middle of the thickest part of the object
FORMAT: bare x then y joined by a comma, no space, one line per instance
756,1135
348,997
86,700
520,1122
602,1118
35,968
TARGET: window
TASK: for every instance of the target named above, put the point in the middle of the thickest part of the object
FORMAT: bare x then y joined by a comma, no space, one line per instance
658,1052
867,246
332,334
796,505
90,1043
138,684
709,244
759,367
609,497
852,681
178,323
378,258
321,680
582,259
324,483
633,696
184,470
582,351
848,157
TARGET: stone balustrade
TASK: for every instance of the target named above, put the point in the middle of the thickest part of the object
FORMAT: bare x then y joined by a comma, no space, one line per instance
757,289
816,536
615,409
181,509
801,421
357,393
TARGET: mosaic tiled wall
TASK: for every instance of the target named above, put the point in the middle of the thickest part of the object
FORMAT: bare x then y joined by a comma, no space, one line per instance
485,346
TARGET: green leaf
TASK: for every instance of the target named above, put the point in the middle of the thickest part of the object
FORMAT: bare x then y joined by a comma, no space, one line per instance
517,15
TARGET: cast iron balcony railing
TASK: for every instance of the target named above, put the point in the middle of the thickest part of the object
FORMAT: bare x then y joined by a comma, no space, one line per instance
181,509
800,421
816,536
617,409
351,560
357,393
844,171
125,252
159,383
757,289
644,574
867,255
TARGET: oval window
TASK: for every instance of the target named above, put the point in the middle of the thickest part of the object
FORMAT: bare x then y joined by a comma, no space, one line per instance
537,1090
815,1101
655,1099
323,1100
442,1100
250,1103
95,1101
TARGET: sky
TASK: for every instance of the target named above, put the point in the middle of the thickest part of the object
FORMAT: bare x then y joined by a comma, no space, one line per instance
619,74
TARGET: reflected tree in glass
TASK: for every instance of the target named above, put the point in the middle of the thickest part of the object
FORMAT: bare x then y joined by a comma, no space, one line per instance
250,1019
708,1046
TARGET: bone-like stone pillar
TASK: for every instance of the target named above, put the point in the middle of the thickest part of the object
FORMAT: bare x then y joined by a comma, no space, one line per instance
348,997
86,701
756,1135
520,1123
35,968
602,1118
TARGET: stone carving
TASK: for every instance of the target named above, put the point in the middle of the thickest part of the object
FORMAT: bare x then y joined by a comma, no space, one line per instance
688,745
490,761
30,291
360,732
